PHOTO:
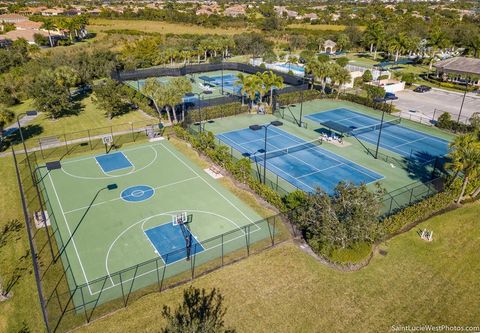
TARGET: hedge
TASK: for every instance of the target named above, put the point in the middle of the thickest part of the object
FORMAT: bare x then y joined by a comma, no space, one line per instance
309,95
213,112
241,170
419,211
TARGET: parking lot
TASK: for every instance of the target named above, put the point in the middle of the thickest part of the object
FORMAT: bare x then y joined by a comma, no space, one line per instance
431,104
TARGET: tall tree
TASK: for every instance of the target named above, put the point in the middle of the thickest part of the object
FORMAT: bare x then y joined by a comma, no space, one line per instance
49,26
108,97
49,96
270,82
200,311
374,35
465,159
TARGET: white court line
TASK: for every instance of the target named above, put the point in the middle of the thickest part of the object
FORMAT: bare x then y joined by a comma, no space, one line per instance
213,188
70,233
155,270
90,157
169,213
120,198
355,166
330,167
403,144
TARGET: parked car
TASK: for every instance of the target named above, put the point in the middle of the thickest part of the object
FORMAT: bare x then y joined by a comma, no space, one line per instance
390,96
422,89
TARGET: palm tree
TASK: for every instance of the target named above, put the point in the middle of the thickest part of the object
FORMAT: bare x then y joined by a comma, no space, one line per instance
66,77
49,25
375,36
465,158
251,86
241,81
438,40
320,71
270,81
339,77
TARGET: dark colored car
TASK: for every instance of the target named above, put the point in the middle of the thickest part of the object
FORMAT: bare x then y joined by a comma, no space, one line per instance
390,96
422,89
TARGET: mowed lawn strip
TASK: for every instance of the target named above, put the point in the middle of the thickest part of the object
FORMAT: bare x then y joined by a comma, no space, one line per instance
286,290
101,25
23,309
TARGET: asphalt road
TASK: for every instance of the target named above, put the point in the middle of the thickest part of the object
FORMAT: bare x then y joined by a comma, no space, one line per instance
435,102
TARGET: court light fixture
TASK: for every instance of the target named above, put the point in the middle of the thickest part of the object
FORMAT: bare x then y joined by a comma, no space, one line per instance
55,165
112,187
257,127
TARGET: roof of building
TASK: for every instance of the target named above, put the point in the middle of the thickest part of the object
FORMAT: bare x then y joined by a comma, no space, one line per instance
460,65
329,43
28,25
27,34
13,17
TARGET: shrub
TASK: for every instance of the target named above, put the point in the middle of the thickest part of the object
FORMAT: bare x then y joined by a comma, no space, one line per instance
382,77
367,76
342,61
214,112
419,211
445,120
408,78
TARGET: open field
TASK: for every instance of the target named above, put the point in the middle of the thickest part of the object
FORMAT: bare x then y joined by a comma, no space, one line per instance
415,283
318,27
101,25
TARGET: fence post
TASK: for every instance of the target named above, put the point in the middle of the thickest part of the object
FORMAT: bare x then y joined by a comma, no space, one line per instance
192,261
222,250
66,144
274,227
89,139
158,275
133,134
411,195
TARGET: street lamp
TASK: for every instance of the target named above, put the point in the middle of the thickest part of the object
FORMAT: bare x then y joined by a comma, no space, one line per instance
109,187
192,94
275,123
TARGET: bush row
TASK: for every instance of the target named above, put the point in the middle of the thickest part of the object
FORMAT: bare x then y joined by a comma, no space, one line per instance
445,121
241,169
219,111
296,97
419,211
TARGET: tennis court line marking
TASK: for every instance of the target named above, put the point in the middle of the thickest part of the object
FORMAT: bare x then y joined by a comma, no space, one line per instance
355,166
143,221
120,198
213,188
330,167
403,144
70,233
245,142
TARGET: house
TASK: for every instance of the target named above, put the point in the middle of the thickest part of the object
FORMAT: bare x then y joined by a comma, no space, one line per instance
208,10
52,12
28,35
310,16
234,11
456,69
28,25
12,18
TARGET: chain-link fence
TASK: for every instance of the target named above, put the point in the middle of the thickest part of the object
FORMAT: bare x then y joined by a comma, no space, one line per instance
65,302
141,74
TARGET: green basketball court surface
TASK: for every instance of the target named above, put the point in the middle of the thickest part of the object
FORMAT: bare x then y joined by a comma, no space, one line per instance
113,215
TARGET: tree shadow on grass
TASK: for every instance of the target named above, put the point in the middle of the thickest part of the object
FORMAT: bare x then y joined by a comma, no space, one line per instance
14,138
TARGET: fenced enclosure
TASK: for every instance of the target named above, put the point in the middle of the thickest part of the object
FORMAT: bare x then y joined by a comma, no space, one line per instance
193,69
432,119
430,179
66,302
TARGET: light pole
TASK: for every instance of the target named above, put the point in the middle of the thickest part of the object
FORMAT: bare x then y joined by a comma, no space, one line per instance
109,187
192,94
379,100
463,100
275,123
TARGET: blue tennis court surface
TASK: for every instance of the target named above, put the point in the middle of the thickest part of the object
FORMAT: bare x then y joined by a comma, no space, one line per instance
170,244
307,168
112,162
404,141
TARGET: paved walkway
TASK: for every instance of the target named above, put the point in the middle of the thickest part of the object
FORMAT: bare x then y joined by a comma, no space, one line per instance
23,121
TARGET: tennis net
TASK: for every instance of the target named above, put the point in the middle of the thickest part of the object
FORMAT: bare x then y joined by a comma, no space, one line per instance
370,128
288,150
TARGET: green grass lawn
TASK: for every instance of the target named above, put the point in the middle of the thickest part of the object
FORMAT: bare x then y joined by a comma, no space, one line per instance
286,290
88,117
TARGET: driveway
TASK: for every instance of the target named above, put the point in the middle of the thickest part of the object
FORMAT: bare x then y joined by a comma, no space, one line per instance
433,103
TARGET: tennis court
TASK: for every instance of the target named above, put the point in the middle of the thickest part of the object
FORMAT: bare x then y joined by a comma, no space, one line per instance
117,217
303,164
409,143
